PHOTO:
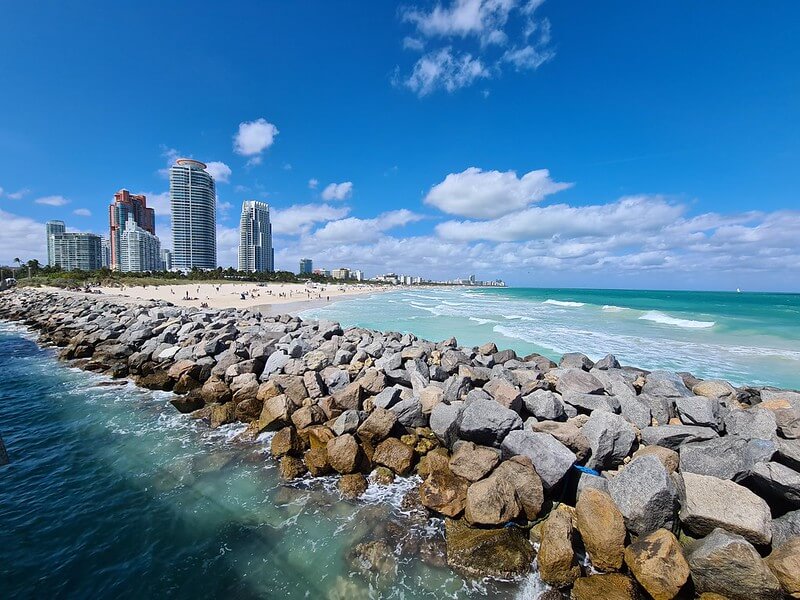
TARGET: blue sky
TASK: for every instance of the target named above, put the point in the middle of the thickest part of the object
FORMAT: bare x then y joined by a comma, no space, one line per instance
609,144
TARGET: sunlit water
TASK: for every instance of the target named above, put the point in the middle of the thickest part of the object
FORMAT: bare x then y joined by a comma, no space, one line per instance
744,338
112,494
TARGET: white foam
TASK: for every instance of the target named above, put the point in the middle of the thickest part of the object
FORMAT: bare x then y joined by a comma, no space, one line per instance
659,317
612,308
482,321
563,303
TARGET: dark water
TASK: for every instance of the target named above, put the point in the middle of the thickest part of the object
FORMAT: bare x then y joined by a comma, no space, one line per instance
111,494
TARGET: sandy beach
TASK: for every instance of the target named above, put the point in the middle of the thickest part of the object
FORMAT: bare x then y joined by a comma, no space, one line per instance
269,298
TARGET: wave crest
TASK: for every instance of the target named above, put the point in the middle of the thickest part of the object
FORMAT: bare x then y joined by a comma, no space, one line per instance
659,317
563,303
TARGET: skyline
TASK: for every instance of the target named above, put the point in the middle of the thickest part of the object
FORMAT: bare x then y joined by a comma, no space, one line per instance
600,147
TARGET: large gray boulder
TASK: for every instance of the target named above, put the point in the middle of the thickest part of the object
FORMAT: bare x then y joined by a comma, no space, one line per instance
635,411
752,423
504,393
589,403
785,527
728,457
673,436
611,439
578,381
775,482
575,360
409,413
699,410
487,423
789,453
665,384
551,459
445,421
388,397
726,564
661,407
709,502
544,405
646,495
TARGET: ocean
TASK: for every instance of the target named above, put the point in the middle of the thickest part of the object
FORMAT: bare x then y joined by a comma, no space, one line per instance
745,338
111,493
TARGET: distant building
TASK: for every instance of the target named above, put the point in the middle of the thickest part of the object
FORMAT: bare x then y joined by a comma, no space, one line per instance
192,196
166,259
105,250
51,228
342,273
322,272
127,206
306,266
255,238
140,250
77,251
358,275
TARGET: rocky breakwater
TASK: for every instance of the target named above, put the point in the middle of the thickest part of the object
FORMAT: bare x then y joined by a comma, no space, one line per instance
612,481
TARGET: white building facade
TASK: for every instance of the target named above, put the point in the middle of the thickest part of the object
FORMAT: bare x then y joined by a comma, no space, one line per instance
140,250
52,228
76,251
192,196
255,238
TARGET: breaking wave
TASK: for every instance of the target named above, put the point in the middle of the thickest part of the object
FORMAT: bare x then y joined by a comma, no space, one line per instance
659,317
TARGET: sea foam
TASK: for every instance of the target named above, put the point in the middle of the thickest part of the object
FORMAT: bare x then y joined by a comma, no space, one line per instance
659,317
564,303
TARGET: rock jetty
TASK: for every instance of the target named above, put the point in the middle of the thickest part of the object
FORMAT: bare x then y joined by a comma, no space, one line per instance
612,481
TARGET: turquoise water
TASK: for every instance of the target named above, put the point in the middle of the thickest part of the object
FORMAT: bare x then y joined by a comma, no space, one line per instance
745,338
112,494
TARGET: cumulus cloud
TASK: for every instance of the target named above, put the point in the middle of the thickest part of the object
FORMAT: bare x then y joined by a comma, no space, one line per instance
253,138
82,212
52,200
22,238
159,202
338,191
219,171
485,194
18,195
300,218
354,229
468,40
313,183
227,246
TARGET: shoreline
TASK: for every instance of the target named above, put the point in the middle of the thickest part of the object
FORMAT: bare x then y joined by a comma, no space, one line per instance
358,403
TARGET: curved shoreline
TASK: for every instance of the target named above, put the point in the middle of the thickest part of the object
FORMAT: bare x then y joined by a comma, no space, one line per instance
358,402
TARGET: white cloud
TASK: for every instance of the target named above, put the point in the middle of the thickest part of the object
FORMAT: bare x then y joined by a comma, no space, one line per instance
353,229
219,171
52,200
253,138
482,18
170,155
313,183
486,194
19,194
299,218
22,238
82,212
528,57
159,202
412,43
446,70
227,246
338,191
287,166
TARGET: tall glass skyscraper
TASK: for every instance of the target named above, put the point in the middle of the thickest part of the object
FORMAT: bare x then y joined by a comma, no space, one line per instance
194,215
52,228
255,238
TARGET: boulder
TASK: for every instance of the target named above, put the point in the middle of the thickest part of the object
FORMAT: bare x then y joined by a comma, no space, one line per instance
785,527
409,413
699,410
487,423
387,397
505,394
784,562
504,552
394,454
443,491
665,384
347,422
635,411
611,439
609,361
222,414
445,421
429,397
577,381
575,360
349,397
588,403
316,459
708,502
544,405
775,482
344,454
610,586
377,426
727,564
519,472
551,459
292,467
645,495
568,434
714,389
275,413
352,485
373,559
491,501
316,360
286,442
669,458
751,423
602,529
473,462
558,565
657,562
189,403
673,436
308,416
728,457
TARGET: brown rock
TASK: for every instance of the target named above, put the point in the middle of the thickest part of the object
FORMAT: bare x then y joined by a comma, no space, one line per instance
383,476
247,391
396,455
443,491
602,529
222,414
275,413
373,558
491,501
344,453
292,467
429,397
504,552
438,459
182,367
657,562
316,460
185,384
557,563
519,472
293,387
377,426
784,562
286,442
316,436
612,586
267,390
349,398
308,416
352,485
249,410
669,458
373,381
188,403
568,434
473,462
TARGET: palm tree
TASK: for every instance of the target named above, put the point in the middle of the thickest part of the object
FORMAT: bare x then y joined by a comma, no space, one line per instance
19,264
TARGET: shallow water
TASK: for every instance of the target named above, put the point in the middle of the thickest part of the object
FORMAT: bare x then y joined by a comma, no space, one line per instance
745,338
111,493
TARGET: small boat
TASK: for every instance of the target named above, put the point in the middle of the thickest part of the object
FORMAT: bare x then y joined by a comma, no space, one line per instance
738,291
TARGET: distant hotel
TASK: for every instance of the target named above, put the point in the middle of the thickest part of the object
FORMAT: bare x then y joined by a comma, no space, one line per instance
75,251
166,259
52,228
306,266
139,250
255,238
193,201
129,210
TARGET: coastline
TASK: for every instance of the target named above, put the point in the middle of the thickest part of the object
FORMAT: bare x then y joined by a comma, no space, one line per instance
362,403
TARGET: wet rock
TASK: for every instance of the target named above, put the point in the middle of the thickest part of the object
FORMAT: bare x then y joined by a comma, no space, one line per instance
492,501
611,586
473,462
784,562
550,458
292,467
558,565
602,529
316,460
504,552
352,485
382,476
394,454
222,414
645,495
377,426
344,454
374,558
708,502
485,422
657,562
611,440
443,491
188,403
286,441
726,564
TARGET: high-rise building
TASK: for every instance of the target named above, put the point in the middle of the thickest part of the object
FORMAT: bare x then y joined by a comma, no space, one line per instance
166,259
341,273
358,275
306,266
51,228
77,251
194,215
125,207
105,253
140,250
255,238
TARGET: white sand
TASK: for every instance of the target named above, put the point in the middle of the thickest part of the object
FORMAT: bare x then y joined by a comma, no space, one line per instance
269,297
